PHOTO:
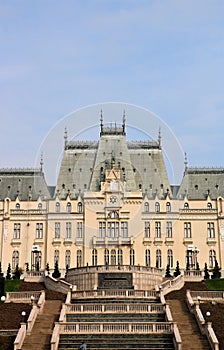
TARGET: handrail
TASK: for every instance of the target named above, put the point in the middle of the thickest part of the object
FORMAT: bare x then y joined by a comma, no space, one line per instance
20,337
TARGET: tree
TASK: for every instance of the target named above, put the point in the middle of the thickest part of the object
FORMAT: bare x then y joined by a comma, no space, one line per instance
17,273
177,270
197,266
8,274
167,271
56,273
216,270
48,268
206,272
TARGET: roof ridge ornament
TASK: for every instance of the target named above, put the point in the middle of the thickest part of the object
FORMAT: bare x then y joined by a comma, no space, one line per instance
66,137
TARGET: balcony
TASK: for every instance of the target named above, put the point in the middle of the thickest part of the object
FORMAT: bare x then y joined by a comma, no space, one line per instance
15,242
211,240
56,241
147,240
188,240
105,241
169,240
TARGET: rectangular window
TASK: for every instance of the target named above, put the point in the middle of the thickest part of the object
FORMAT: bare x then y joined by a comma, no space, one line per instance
57,231
16,234
113,229
39,230
187,230
79,232
158,229
68,230
211,229
124,229
169,229
102,229
147,229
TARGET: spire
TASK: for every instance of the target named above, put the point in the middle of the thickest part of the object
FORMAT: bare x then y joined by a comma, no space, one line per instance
159,137
124,120
66,136
101,121
41,161
185,162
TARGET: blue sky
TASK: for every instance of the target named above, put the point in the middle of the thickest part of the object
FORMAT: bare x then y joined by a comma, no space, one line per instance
60,56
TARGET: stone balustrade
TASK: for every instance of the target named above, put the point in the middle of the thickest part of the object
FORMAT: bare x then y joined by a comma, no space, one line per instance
22,297
115,293
116,308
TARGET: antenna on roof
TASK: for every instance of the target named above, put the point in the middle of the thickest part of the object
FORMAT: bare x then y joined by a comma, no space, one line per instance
124,120
159,137
66,136
41,161
101,121
185,162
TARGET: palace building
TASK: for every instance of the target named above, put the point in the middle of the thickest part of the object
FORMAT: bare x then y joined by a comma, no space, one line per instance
112,205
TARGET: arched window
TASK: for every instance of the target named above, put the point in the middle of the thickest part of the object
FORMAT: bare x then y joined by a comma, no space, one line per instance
132,257
168,207
120,257
15,259
68,207
158,258
170,257
67,259
186,205
146,207
147,257
209,205
79,207
113,257
40,206
212,258
56,256
57,207
79,258
157,207
94,257
17,206
106,257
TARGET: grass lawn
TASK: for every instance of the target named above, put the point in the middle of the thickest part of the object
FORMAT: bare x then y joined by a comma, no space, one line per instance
215,284
12,285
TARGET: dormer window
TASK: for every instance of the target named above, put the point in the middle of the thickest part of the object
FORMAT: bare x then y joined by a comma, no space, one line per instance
17,206
39,205
79,207
168,207
186,205
146,207
157,207
209,205
68,207
57,207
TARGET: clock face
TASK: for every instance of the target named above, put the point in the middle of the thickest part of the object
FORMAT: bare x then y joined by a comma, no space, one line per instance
113,199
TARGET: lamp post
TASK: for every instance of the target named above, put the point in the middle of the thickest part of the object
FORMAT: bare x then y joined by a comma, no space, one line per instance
199,299
23,313
32,298
3,298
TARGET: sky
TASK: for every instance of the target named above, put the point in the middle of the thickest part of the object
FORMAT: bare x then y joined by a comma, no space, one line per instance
58,57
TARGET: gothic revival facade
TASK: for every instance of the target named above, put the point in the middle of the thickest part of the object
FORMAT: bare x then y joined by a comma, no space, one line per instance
112,205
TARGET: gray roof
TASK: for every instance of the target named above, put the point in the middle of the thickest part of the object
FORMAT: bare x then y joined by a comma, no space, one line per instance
23,183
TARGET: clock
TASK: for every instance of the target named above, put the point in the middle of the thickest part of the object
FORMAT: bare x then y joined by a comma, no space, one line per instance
113,199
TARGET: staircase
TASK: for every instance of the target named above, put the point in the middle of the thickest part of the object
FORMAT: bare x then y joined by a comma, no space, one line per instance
192,339
40,337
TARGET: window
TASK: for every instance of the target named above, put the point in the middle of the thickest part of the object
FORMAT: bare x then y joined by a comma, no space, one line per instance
113,257
124,229
132,257
15,259
67,259
157,207
146,207
147,229
189,259
57,207
113,229
94,257
170,257
39,230
79,229
102,229
212,258
186,206
211,229
158,258
168,207
209,205
120,257
169,229
68,230
57,230
40,206
106,257
68,207
79,258
79,207
16,234
158,229
187,230
147,257
56,256
17,206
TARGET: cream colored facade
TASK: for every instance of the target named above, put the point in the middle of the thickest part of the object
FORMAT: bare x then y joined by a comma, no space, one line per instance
106,209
